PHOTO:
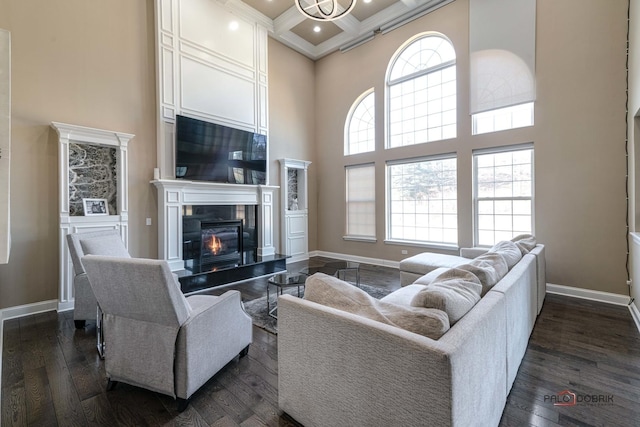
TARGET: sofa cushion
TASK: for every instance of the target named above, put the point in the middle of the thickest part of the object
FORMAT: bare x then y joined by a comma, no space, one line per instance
454,292
509,251
333,292
404,295
489,268
427,261
106,246
525,242
431,276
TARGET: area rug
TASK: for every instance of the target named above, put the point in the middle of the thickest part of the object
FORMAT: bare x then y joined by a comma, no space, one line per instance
257,308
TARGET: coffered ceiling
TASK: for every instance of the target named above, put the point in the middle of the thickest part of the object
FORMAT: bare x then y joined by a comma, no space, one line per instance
316,39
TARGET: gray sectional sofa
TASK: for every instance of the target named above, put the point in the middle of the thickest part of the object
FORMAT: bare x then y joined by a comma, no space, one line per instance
342,368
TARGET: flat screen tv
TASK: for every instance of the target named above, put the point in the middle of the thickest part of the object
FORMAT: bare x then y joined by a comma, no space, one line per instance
211,152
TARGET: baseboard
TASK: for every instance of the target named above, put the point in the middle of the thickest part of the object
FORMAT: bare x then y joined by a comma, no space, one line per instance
635,313
27,309
606,297
361,259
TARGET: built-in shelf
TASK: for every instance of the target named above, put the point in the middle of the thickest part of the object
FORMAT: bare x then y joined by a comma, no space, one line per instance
93,163
294,209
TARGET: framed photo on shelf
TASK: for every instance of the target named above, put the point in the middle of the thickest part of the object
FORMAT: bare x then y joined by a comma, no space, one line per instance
95,207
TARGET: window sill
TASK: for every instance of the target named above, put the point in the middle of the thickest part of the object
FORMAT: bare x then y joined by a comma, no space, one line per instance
360,239
426,245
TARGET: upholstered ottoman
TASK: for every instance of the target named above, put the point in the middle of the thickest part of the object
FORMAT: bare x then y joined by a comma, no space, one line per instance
413,268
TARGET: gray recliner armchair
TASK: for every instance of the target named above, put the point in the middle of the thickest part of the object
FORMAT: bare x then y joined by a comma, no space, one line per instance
157,338
105,242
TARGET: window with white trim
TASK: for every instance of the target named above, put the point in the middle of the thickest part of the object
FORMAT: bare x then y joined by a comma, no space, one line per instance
422,200
421,90
360,130
516,116
503,193
361,202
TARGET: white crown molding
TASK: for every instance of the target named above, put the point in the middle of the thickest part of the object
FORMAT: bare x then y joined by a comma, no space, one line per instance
247,12
352,28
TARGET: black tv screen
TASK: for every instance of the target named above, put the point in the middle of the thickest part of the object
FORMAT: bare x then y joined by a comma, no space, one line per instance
211,152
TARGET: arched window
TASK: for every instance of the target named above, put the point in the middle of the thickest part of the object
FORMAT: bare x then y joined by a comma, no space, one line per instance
360,129
421,90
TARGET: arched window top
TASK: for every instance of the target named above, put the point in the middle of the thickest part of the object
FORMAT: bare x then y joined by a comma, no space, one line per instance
422,54
421,92
360,126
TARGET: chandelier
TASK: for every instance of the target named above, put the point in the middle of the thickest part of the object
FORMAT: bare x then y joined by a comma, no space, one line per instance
324,10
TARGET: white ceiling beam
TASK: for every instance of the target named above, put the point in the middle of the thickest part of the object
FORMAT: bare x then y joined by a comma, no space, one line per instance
410,3
289,19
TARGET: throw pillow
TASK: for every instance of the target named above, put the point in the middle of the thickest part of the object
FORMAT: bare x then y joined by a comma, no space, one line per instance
333,292
509,251
489,268
525,242
455,292
404,295
430,276
106,246
454,296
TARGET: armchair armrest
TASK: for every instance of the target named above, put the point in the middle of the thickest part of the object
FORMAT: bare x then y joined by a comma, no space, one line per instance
215,332
85,301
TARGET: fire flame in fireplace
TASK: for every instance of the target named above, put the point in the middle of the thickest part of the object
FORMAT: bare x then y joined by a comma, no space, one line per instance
215,245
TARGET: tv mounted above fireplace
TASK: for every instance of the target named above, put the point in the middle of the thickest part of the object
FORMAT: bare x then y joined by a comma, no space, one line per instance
212,152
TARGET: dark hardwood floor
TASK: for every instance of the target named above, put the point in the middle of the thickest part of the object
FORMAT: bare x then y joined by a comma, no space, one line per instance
52,376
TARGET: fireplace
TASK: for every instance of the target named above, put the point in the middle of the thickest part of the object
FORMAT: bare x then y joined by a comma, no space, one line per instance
182,208
218,237
221,242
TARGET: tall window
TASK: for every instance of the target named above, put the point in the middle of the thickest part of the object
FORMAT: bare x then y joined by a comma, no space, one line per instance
361,202
422,92
360,127
422,200
503,193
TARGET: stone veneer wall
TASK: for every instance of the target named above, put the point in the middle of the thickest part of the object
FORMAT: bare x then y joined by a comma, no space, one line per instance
92,175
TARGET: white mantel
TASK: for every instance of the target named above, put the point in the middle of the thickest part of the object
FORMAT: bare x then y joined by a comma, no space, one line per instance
174,194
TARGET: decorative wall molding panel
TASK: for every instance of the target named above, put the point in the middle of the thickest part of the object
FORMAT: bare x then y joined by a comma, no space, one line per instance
75,143
212,65
5,145
173,195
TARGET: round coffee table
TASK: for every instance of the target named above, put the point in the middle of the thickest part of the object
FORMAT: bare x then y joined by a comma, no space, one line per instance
281,281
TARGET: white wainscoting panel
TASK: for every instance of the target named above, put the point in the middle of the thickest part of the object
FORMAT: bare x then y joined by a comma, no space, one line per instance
207,24
209,91
208,70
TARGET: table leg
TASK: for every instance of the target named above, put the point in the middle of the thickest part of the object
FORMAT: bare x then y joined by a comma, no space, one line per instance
99,333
